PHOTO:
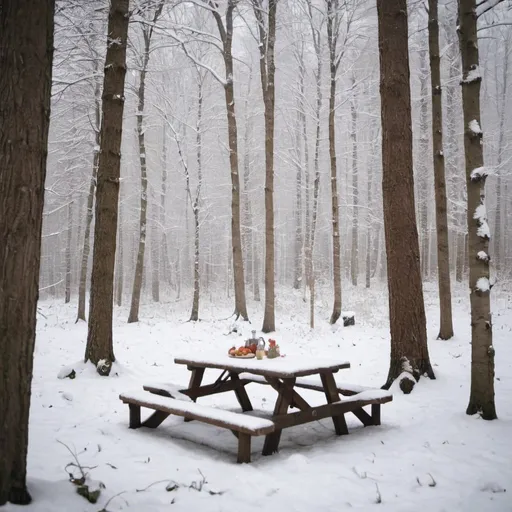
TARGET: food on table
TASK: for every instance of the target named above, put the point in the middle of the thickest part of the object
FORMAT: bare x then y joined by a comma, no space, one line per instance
239,352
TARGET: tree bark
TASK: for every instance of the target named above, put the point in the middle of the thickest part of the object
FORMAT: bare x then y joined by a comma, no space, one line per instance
194,316
443,251
354,252
26,51
226,35
266,43
332,37
481,399
69,233
120,260
409,350
99,337
147,32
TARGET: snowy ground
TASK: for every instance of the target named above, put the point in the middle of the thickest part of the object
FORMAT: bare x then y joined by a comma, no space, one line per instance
426,455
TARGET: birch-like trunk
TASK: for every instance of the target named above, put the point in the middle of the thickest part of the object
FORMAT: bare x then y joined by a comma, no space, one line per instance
354,254
336,245
481,398
69,232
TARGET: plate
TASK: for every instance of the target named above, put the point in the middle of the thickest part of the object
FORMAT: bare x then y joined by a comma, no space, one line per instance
248,356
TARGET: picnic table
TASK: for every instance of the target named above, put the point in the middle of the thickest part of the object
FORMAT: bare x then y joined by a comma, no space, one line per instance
286,375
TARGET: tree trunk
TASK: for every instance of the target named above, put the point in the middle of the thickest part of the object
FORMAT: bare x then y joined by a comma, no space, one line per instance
99,337
120,262
423,188
336,247
26,51
226,34
69,232
82,287
499,162
443,251
266,21
194,316
409,350
139,266
354,256
247,232
482,351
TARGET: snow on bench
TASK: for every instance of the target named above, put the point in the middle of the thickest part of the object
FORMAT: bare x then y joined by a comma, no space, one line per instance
227,419
167,389
244,425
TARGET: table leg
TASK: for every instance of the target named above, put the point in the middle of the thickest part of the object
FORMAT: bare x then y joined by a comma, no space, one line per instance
241,393
284,398
195,381
332,395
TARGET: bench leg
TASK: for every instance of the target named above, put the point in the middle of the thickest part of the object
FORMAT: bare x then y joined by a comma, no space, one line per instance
244,448
134,416
241,393
155,419
332,395
376,414
196,378
363,417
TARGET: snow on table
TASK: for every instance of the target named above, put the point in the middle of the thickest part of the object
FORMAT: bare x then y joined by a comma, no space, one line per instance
281,367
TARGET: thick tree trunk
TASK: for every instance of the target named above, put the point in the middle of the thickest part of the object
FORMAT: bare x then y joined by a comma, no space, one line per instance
354,253
409,350
443,252
120,263
226,34
26,50
82,287
99,337
482,351
336,245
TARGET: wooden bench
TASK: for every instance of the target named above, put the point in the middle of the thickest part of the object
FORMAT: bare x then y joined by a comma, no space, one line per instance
242,425
362,395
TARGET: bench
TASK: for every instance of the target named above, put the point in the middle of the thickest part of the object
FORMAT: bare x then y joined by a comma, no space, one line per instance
242,425
362,395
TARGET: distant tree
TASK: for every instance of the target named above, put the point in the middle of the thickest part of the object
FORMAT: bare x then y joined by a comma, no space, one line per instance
147,33
26,51
99,337
481,398
409,350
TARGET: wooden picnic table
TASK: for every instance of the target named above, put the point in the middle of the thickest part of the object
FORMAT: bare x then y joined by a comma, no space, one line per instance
286,375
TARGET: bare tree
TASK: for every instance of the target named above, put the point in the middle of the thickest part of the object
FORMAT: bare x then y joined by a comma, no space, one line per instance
266,20
481,399
147,32
354,252
409,350
26,51
443,253
99,347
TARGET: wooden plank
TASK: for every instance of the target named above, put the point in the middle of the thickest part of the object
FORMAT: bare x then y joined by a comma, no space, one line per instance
241,393
318,413
296,401
244,448
284,398
231,365
163,411
331,393
363,417
134,416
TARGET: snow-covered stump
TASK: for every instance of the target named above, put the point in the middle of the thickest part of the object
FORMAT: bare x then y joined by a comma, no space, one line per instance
349,318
